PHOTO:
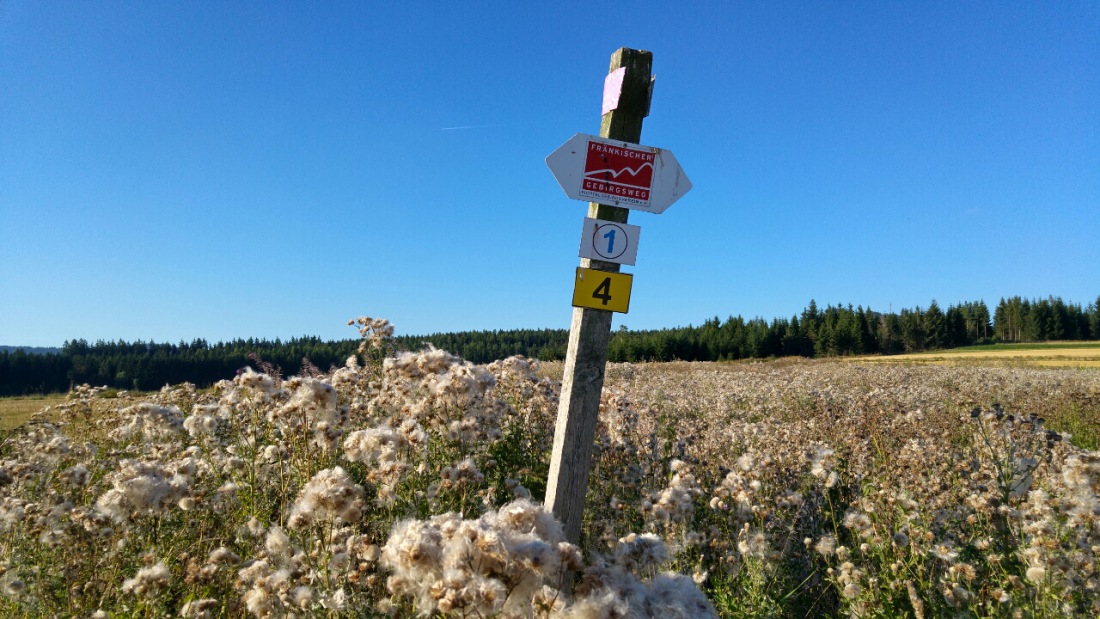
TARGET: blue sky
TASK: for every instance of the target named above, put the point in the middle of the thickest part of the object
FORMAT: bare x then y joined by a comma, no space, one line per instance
171,171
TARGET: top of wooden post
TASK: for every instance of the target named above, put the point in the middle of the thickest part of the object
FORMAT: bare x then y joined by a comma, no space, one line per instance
625,121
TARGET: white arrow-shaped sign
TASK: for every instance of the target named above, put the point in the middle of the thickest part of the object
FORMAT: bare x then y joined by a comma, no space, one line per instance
618,173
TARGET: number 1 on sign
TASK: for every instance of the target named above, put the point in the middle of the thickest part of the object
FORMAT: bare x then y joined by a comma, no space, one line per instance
608,241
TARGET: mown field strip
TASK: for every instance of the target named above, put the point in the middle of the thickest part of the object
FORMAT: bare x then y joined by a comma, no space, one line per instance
1042,355
17,410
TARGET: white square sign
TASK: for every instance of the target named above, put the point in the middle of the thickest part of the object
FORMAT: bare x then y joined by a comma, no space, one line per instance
609,241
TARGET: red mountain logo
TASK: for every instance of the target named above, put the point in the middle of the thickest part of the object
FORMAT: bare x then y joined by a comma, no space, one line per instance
625,173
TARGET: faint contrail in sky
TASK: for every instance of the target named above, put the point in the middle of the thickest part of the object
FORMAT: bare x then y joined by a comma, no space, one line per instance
475,126
492,125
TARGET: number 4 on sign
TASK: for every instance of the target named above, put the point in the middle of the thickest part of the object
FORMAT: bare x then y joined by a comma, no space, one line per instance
602,290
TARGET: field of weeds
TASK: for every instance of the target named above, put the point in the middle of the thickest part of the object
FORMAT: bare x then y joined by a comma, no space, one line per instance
410,483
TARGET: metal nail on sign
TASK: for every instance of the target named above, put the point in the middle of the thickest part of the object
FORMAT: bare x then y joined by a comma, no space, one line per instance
642,178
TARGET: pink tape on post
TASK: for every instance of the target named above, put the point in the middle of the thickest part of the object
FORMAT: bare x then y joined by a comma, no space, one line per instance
613,89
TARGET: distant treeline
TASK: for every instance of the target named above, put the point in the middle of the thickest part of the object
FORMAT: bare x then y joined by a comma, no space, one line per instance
815,332
148,366
841,330
34,350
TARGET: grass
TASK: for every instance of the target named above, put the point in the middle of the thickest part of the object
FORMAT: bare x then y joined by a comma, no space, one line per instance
15,411
1081,421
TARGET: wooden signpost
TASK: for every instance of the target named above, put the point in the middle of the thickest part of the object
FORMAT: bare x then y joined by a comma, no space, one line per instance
619,174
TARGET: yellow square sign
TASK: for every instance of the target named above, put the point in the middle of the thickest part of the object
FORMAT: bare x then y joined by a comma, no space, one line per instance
602,290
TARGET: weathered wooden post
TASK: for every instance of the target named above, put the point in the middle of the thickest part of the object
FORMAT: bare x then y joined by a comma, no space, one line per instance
613,170
590,329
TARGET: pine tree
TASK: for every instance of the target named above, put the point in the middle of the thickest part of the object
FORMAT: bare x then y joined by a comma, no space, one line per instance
981,321
935,327
889,334
912,329
1094,320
